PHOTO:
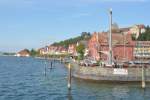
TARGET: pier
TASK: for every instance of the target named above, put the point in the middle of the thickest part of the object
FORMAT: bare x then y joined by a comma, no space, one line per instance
112,74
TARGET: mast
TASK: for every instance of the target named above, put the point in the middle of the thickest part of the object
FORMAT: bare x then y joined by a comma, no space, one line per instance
97,38
110,38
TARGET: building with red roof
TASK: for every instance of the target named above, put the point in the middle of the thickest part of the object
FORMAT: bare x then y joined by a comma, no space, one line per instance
122,46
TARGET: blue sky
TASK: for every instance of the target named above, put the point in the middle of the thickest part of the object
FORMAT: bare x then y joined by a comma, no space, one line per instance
36,23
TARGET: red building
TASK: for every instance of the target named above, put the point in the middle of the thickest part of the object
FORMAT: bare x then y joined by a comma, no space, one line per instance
93,47
53,50
23,53
122,46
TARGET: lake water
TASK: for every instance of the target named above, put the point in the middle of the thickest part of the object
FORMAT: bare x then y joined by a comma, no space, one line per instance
24,79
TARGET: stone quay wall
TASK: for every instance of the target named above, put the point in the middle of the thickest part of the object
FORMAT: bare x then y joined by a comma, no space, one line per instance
111,74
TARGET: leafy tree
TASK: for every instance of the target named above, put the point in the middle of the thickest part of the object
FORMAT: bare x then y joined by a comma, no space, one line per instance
27,50
8,53
80,50
145,36
34,52
65,43
133,36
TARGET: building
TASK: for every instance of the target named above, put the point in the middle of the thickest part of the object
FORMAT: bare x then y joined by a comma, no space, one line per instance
23,53
122,46
93,45
42,51
142,49
53,50
60,50
137,30
116,29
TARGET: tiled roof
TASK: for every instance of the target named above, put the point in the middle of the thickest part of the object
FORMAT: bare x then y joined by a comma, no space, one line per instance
141,26
23,52
124,29
117,38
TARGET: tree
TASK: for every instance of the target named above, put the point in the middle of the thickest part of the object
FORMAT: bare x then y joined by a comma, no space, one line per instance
80,50
27,50
34,52
65,43
145,36
133,36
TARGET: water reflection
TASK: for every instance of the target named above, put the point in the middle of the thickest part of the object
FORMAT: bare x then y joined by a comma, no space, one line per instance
120,92
69,96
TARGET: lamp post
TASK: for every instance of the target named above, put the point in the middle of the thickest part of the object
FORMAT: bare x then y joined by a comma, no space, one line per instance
110,38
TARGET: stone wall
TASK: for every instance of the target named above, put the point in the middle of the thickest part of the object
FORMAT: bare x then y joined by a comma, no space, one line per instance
107,74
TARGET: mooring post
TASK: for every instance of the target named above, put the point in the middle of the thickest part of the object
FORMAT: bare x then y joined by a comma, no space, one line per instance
51,64
69,76
143,77
45,69
45,65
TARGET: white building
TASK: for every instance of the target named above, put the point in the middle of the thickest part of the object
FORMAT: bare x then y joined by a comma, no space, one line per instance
137,30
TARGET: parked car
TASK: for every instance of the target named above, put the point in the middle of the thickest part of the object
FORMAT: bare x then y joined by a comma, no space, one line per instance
81,63
88,62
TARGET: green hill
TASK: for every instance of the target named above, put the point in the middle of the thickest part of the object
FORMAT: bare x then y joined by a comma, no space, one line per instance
65,43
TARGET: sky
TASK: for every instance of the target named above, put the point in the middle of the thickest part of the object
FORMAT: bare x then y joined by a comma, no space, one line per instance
37,23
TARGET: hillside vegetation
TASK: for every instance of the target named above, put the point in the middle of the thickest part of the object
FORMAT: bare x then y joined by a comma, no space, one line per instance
65,43
145,36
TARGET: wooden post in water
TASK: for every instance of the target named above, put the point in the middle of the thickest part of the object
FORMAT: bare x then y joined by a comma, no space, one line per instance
45,68
51,64
69,76
45,65
143,77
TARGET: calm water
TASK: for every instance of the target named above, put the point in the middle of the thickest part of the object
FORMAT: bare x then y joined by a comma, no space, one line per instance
24,79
